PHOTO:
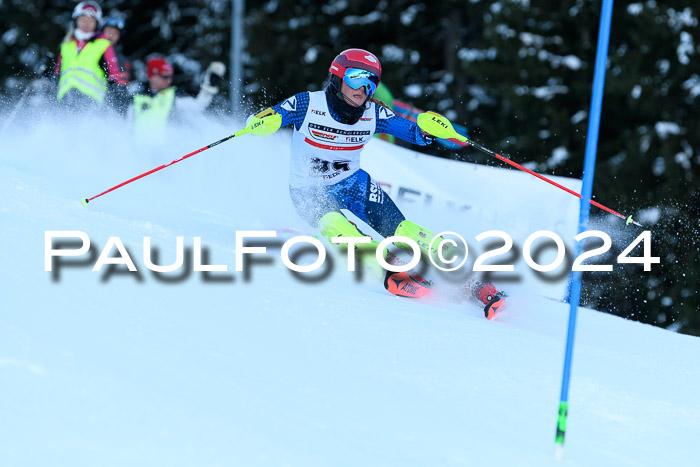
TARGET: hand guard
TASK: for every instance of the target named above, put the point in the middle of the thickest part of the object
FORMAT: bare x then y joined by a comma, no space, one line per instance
264,123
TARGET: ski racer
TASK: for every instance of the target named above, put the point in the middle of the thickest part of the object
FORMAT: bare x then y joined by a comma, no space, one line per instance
332,127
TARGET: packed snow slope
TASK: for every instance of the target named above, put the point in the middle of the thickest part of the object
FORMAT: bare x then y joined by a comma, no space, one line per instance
116,368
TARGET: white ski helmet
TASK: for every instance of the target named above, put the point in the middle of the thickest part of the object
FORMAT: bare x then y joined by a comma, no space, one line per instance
88,8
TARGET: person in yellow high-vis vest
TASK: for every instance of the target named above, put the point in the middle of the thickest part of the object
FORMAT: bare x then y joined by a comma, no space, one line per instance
87,62
158,102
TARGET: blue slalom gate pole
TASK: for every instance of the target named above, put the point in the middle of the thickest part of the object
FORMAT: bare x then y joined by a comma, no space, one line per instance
586,191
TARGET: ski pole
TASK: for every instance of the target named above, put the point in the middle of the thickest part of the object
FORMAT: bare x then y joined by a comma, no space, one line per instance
258,126
11,117
25,93
438,126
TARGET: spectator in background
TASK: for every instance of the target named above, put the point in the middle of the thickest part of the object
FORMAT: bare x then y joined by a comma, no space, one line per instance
158,102
119,99
87,62
113,29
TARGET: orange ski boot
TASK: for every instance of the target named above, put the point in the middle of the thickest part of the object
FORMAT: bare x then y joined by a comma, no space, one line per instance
492,299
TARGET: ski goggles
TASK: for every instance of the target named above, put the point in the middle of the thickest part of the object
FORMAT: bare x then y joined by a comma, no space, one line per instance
357,78
114,23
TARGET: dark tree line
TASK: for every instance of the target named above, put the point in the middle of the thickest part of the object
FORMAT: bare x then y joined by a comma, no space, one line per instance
517,74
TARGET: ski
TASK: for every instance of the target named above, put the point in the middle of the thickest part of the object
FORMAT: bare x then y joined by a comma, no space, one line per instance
412,284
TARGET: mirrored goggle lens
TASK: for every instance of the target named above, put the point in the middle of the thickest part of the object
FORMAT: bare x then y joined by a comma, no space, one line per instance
356,78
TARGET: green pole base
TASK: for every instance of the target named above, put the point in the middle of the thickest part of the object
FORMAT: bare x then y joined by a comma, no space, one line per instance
561,422
85,202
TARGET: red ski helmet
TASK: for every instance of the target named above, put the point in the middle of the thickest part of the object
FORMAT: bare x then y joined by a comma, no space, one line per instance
159,66
353,58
